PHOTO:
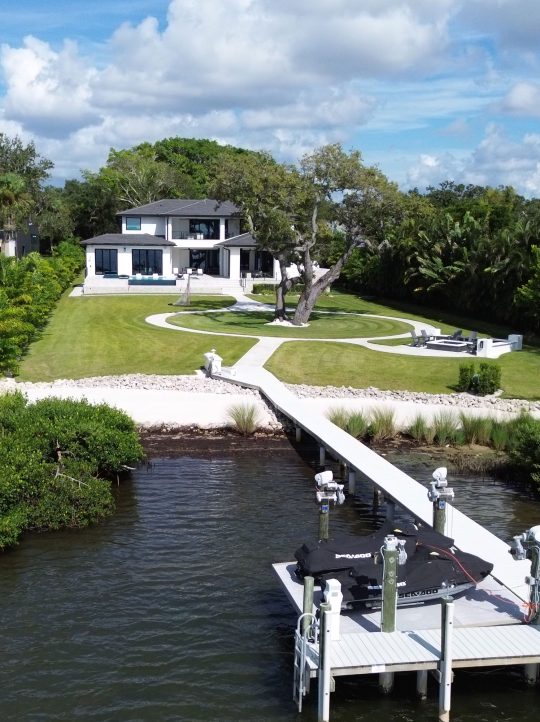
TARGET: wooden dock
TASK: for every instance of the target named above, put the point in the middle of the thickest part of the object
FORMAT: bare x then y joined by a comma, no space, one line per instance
488,621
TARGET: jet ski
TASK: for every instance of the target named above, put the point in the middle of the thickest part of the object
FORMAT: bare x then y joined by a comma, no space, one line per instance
434,566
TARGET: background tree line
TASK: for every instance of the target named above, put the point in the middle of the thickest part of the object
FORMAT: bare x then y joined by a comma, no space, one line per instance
470,248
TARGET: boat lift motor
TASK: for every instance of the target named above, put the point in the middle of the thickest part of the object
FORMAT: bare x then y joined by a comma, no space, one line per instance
328,490
439,494
527,546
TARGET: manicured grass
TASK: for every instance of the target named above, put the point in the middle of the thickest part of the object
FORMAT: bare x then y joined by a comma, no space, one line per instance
320,325
334,364
96,336
445,320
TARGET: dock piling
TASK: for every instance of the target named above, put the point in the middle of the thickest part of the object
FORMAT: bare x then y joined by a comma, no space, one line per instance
298,434
352,482
322,455
324,665
422,683
445,681
307,608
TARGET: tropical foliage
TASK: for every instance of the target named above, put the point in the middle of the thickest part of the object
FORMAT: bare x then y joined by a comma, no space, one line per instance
56,461
29,290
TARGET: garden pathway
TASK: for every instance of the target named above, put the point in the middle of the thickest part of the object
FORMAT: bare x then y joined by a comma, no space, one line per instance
259,354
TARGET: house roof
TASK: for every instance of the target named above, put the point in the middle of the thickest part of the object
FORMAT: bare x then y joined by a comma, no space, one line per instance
184,208
126,239
244,240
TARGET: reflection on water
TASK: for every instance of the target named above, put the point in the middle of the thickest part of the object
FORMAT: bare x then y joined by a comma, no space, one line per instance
170,610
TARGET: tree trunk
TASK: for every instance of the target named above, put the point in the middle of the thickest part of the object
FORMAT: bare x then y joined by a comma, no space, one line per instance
282,289
312,291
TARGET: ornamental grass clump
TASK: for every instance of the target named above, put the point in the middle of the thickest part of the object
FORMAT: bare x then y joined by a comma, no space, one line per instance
245,418
357,425
445,428
417,429
339,416
475,429
499,436
382,425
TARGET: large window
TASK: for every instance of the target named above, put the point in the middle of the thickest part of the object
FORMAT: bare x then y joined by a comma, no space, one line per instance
207,260
147,261
208,228
133,223
106,260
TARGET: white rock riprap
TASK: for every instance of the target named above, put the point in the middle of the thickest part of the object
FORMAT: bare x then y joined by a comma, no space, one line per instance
460,400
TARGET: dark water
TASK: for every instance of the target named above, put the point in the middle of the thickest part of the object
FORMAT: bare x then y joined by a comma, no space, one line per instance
170,610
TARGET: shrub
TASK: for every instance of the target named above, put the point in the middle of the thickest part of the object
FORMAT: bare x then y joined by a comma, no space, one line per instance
445,428
245,418
265,289
489,378
525,445
382,425
485,381
466,373
51,455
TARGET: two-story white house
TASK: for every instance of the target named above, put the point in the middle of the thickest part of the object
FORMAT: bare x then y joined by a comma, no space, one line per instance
166,239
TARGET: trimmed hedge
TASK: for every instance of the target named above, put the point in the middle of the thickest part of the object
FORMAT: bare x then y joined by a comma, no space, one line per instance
29,290
485,381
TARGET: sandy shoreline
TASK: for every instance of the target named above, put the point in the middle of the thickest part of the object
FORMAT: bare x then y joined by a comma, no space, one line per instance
184,401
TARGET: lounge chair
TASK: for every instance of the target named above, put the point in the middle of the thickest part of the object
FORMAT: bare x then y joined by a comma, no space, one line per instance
425,336
457,335
415,339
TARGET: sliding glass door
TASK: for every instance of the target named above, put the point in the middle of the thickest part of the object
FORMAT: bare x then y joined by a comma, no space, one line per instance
147,261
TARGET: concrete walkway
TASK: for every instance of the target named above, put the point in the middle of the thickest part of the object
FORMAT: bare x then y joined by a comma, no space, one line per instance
267,345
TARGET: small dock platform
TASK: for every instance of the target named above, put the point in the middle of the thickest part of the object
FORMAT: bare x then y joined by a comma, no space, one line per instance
486,626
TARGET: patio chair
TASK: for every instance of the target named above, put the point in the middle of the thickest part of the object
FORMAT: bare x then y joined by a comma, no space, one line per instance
425,337
415,339
472,342
457,335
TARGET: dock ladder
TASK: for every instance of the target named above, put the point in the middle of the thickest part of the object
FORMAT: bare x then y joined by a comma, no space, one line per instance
307,629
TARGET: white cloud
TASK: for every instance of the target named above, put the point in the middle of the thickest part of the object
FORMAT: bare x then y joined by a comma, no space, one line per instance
47,92
497,160
523,99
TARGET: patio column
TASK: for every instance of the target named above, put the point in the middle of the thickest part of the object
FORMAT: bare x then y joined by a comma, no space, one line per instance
234,264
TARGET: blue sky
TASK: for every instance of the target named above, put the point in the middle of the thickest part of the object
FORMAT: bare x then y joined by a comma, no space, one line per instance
428,90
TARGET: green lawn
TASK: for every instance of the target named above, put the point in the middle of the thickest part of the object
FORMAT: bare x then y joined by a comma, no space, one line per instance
320,325
103,335
98,336
335,364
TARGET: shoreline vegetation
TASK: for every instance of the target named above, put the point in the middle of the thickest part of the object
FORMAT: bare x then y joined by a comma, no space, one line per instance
58,459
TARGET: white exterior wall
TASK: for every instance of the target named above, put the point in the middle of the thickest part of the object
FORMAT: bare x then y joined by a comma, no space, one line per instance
234,264
9,247
124,261
154,225
125,265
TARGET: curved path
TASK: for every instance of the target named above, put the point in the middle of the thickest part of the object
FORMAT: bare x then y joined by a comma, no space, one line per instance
259,354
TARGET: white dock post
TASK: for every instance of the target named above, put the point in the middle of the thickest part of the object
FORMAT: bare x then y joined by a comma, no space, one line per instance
352,482
307,607
422,683
445,671
324,665
390,509
322,455
298,434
